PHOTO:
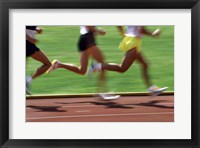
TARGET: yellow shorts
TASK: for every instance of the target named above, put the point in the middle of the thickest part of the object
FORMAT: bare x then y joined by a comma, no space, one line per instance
129,43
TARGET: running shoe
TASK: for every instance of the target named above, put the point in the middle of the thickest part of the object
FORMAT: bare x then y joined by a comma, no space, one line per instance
155,91
28,90
105,96
53,67
91,70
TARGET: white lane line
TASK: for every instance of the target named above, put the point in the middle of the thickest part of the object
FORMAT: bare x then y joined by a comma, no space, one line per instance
102,105
102,115
82,111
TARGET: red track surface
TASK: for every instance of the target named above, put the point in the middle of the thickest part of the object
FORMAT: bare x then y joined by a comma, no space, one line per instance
92,109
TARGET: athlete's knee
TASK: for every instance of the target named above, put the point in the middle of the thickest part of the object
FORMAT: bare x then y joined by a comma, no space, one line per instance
48,64
83,71
123,70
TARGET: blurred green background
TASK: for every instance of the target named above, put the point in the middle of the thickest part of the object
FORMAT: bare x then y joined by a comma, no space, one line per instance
60,42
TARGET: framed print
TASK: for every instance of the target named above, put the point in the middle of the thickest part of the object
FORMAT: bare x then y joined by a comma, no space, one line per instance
76,88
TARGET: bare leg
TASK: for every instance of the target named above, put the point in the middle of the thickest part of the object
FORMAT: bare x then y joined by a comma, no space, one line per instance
144,65
127,61
41,57
96,53
84,57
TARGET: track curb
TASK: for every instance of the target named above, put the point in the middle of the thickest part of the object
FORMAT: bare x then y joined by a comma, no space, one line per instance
50,96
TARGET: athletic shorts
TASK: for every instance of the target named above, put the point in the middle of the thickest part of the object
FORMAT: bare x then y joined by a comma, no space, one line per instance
86,41
31,48
129,43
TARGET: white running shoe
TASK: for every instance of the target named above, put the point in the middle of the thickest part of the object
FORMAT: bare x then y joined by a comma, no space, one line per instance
28,90
93,68
108,96
53,67
155,91
91,71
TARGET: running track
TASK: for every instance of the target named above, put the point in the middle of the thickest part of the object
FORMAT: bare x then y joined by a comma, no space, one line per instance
93,109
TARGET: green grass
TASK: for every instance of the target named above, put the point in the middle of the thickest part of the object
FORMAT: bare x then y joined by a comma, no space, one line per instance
60,42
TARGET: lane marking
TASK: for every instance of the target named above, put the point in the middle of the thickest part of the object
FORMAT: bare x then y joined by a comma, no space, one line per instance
82,111
102,115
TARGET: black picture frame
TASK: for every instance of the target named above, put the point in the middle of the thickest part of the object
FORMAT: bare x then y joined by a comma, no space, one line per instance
5,5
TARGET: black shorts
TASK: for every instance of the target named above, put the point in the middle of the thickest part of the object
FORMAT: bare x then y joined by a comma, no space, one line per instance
86,41
31,48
